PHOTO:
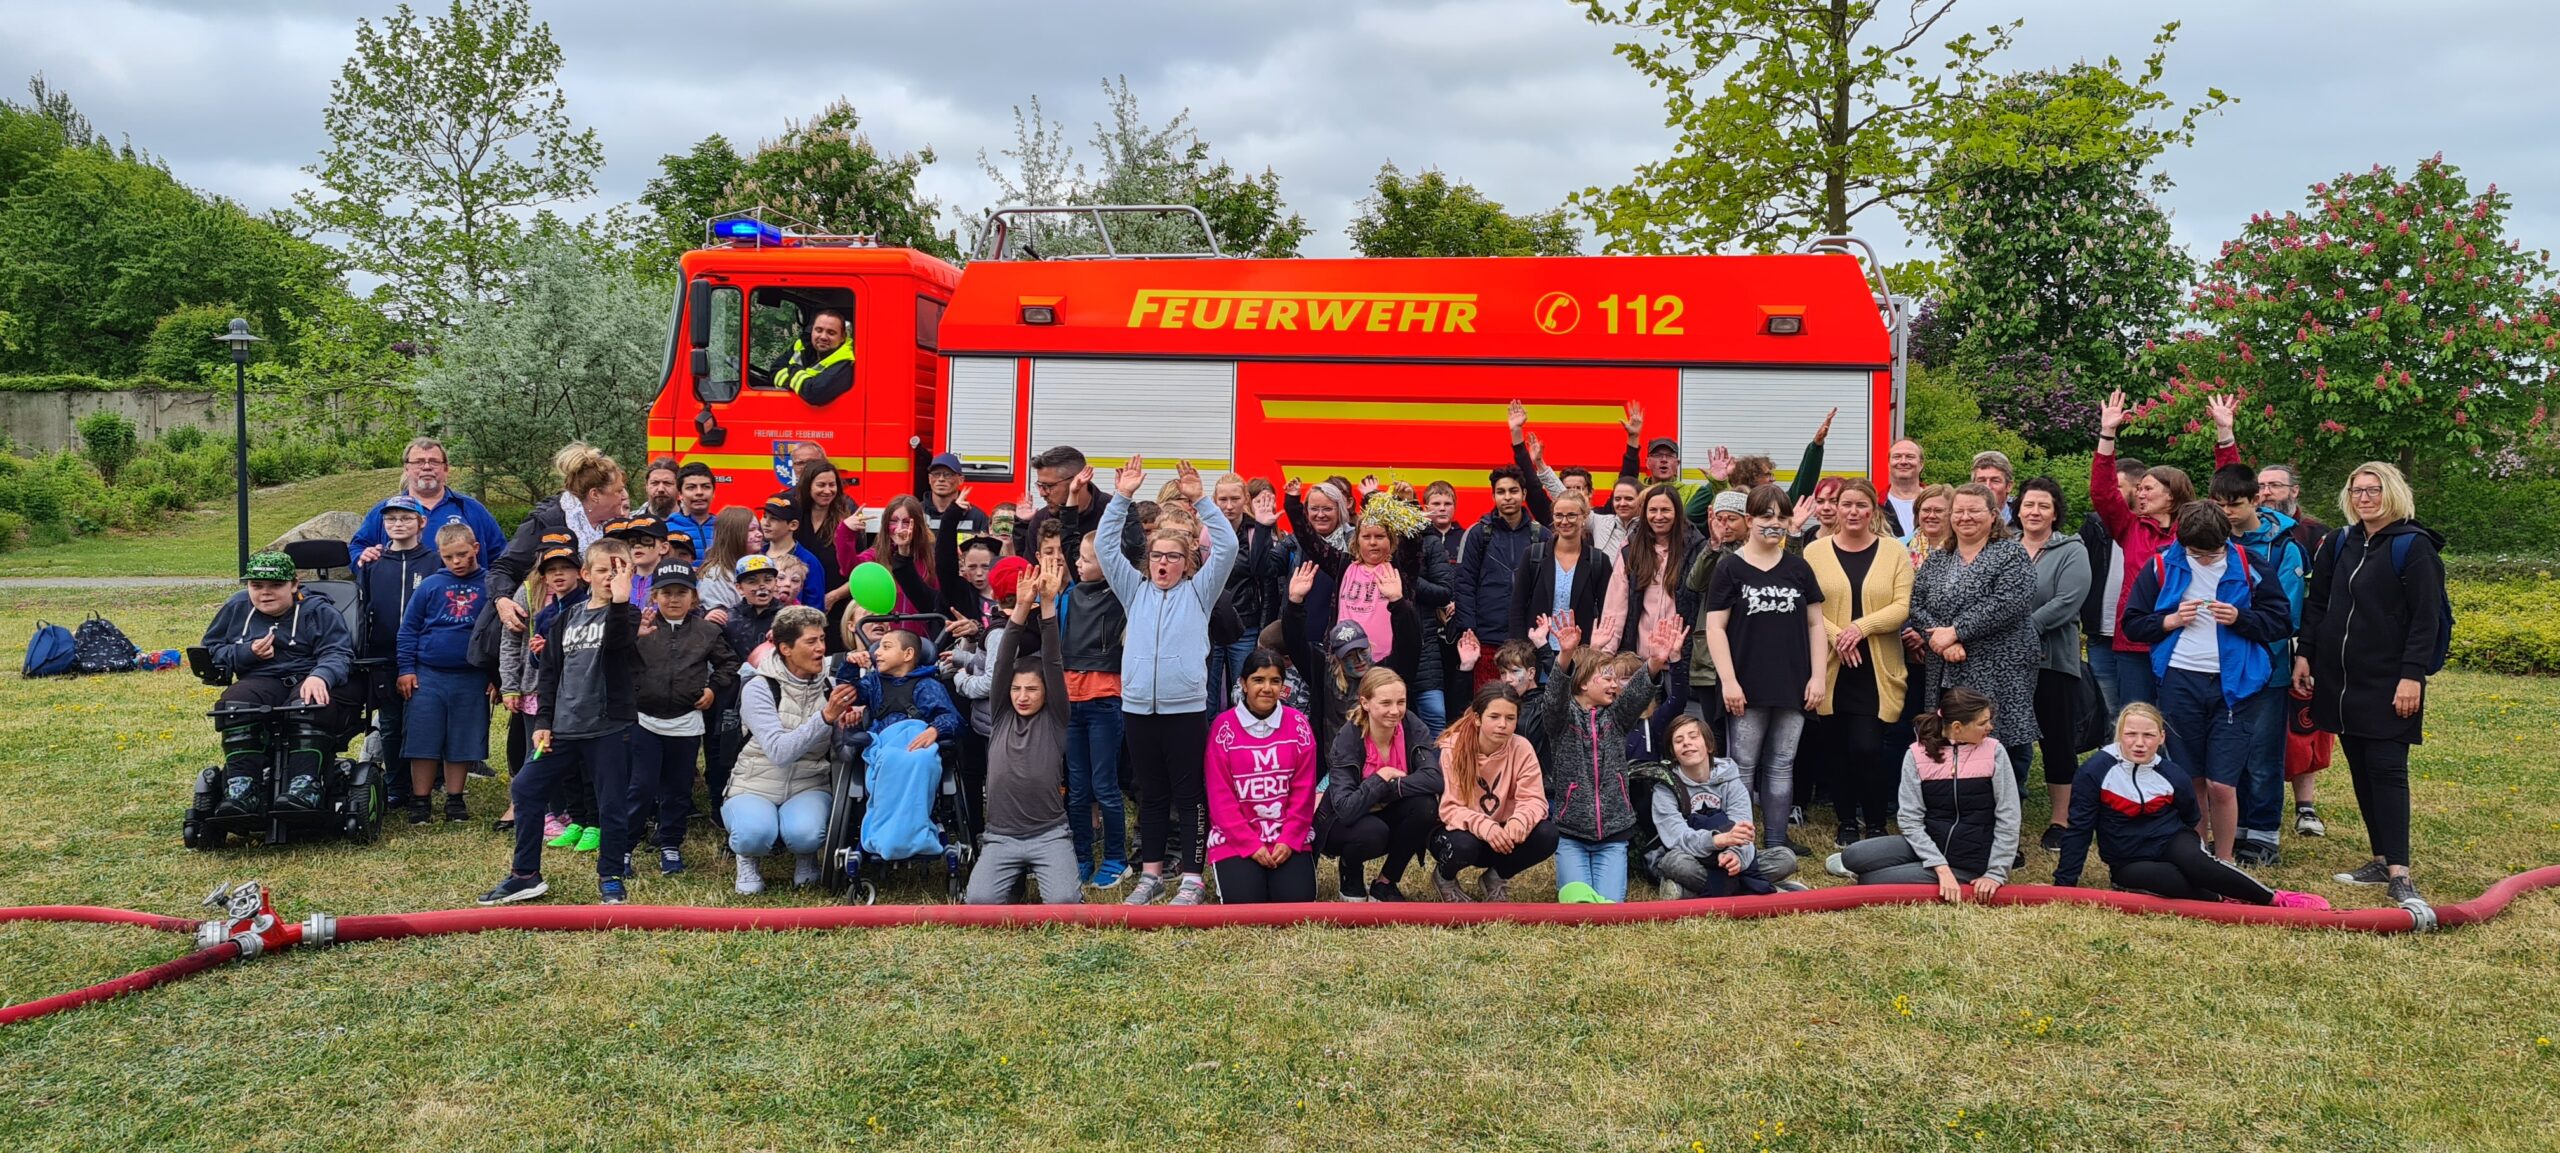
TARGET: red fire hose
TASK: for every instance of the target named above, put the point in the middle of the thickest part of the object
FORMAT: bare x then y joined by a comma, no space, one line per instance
321,929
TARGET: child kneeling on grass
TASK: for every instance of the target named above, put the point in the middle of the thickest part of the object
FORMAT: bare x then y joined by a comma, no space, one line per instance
1261,764
1026,816
586,719
1702,813
2141,809
1959,808
447,712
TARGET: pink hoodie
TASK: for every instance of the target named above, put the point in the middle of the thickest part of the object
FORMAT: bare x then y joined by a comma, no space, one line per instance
1262,790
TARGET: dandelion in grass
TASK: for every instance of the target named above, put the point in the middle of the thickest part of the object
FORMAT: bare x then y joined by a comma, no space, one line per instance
1902,1004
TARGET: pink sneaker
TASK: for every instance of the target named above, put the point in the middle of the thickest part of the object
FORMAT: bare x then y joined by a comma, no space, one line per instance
2288,899
552,823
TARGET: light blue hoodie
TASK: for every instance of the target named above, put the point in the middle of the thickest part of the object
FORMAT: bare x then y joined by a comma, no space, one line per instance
1164,660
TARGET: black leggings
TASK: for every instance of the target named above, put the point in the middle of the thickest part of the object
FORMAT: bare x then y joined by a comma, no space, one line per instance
1397,832
1869,772
1241,882
2379,770
2188,873
2058,712
1168,754
1460,849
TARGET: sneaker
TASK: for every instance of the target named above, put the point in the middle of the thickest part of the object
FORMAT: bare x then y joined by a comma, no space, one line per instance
2288,899
1832,865
2052,842
1791,885
1795,816
1109,875
1449,890
2368,873
590,839
419,811
567,837
1149,887
1192,891
2404,891
1351,898
804,870
1798,848
2306,822
552,824
1381,889
2257,855
1495,887
480,769
609,891
670,861
455,809
750,878
515,889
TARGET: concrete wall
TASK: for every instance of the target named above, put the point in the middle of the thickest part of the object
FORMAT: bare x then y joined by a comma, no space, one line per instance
46,421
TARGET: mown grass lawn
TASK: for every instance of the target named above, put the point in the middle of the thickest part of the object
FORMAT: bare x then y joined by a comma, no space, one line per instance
1913,1028
204,542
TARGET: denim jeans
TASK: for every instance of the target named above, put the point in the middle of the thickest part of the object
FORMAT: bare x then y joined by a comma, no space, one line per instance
2262,782
1599,864
1226,669
755,823
1432,706
607,762
2102,665
1093,778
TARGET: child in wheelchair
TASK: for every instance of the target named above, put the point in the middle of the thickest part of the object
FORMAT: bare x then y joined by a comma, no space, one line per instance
277,648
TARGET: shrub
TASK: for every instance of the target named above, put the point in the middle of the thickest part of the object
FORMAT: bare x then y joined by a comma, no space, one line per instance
2508,626
108,438
182,347
184,438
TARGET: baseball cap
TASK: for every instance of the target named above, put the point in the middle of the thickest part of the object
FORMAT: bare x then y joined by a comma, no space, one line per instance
1007,577
677,536
567,556
1662,444
754,564
1733,501
403,502
678,575
1344,639
949,460
645,526
779,506
268,566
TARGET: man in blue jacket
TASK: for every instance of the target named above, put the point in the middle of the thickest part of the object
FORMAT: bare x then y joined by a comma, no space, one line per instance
2268,535
1493,551
2209,610
423,467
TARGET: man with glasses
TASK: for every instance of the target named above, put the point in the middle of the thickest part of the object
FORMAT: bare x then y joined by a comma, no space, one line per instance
2280,488
423,468
1064,481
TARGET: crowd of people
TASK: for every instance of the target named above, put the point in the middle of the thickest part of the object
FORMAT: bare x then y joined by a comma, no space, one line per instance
1650,681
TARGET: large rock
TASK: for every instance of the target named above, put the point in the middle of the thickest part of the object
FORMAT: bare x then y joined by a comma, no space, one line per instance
337,526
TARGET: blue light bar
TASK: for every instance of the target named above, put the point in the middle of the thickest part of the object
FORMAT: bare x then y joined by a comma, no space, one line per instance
755,231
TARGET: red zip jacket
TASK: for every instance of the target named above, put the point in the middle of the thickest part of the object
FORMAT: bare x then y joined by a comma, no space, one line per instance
2141,537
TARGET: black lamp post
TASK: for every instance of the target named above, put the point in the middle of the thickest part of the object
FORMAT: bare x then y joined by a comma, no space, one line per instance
240,340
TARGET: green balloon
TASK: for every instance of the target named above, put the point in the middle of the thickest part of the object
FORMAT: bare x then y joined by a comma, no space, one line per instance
873,588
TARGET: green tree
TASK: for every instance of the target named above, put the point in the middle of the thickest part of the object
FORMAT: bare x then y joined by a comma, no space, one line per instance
1428,215
2391,319
688,189
573,354
443,134
825,173
1142,163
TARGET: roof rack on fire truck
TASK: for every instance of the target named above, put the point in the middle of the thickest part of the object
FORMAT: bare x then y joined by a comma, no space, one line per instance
1895,310
761,227
997,241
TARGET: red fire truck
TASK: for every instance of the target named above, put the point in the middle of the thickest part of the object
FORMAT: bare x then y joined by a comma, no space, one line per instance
1275,368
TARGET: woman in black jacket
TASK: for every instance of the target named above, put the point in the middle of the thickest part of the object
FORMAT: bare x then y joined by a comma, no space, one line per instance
2373,631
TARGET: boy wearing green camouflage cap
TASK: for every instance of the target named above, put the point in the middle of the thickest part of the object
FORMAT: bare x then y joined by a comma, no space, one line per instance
279,647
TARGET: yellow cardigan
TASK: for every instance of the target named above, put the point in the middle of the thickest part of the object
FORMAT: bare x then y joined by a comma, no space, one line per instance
1887,597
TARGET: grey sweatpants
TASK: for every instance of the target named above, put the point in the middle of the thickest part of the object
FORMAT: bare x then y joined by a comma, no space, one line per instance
1049,859
1773,865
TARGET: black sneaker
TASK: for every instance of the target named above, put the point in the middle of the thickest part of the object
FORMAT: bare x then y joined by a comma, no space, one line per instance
454,808
1380,890
2257,855
2052,842
2405,891
515,889
670,861
419,811
2368,873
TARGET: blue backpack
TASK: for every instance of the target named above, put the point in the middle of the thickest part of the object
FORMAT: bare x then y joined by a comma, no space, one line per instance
2400,568
49,652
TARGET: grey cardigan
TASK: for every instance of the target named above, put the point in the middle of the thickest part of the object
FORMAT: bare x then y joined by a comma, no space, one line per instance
2062,582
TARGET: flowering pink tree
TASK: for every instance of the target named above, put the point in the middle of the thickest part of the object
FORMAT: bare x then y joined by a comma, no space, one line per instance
2391,320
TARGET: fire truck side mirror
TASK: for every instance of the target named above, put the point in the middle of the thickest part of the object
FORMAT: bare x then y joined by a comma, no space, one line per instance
697,309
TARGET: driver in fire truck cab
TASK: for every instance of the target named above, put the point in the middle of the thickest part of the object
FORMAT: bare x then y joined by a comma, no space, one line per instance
821,369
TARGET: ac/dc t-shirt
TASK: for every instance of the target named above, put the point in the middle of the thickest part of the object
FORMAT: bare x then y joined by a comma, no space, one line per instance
1768,631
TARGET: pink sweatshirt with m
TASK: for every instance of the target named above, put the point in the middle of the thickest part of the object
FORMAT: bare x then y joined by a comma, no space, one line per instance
1262,789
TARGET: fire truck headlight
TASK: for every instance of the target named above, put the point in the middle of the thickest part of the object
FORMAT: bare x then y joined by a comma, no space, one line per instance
1039,314
1778,324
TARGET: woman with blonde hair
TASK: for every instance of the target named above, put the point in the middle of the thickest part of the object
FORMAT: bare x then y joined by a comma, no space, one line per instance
593,492
2373,631
1383,789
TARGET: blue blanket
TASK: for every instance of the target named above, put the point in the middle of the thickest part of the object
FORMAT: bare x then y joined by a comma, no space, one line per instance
899,822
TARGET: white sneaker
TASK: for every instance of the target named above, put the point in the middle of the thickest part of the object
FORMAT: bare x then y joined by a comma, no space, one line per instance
1349,899
750,878
2307,822
1833,865
804,869
1192,891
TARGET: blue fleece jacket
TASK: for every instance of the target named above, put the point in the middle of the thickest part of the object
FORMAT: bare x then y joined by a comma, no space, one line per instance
2240,646
436,631
1164,656
930,703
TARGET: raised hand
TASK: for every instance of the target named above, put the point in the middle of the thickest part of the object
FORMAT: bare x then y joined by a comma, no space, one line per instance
1517,418
1266,509
1568,634
1368,486
1539,631
1663,646
1470,649
1537,451
2111,414
1719,463
1302,582
1131,476
1824,433
1634,422
1081,484
1294,487
2222,409
1390,582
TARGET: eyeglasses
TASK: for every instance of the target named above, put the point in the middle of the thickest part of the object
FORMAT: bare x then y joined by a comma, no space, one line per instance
2365,490
1167,556
422,462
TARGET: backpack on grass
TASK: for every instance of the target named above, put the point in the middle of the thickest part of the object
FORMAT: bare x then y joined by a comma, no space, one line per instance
49,651
101,647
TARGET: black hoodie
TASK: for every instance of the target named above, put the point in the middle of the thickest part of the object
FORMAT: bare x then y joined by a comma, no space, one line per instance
310,640
2368,625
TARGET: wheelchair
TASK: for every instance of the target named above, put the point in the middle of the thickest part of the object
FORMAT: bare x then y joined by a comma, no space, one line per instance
848,866
304,787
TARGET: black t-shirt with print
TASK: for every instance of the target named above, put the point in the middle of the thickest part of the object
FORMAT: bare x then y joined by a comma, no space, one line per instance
1772,658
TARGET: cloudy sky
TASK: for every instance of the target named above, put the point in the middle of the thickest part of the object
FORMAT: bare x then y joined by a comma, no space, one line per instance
1520,97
